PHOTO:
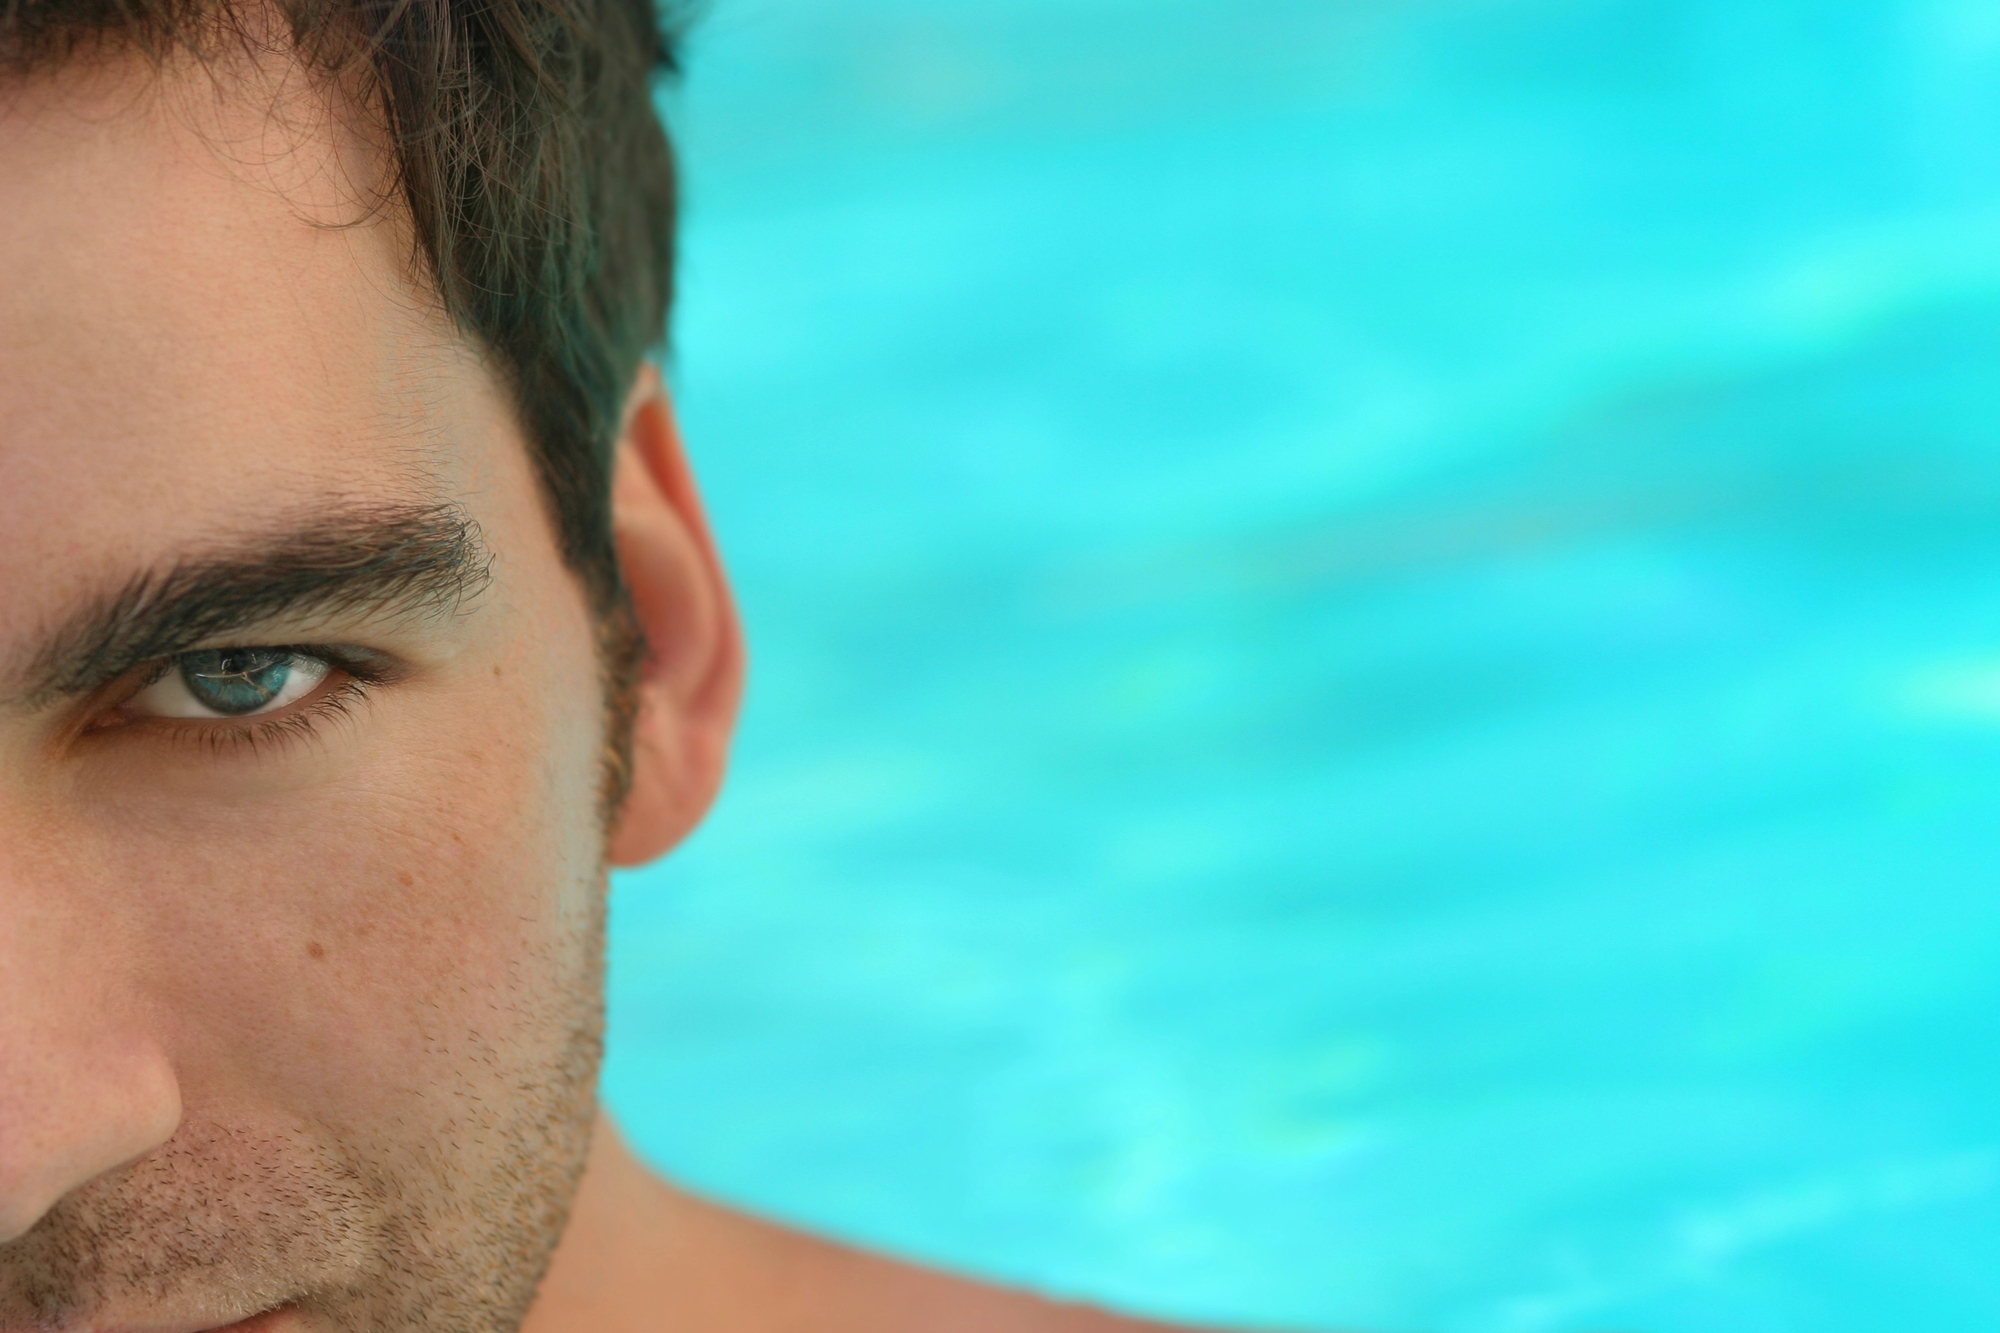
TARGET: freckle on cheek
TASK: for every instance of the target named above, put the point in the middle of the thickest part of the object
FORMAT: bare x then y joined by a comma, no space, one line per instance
405,878
316,949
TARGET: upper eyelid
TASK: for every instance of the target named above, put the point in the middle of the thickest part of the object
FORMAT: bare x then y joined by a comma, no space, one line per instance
384,669
152,672
351,657
153,668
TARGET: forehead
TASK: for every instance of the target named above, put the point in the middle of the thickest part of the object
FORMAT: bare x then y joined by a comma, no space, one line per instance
207,314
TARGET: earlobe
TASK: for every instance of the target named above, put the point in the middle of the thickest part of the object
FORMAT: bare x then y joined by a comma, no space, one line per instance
692,678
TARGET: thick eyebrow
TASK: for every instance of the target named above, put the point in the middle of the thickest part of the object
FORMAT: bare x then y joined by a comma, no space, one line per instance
407,560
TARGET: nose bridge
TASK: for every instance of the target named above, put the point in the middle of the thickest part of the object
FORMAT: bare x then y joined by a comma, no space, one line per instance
85,1086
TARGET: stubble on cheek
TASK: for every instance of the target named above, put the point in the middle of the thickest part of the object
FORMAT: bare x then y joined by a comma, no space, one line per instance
480,1201
264,1218
435,1208
418,1226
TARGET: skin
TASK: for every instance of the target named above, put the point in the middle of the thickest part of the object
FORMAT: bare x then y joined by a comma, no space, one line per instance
299,1014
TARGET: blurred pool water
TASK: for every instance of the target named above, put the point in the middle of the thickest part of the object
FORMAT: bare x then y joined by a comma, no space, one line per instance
1377,656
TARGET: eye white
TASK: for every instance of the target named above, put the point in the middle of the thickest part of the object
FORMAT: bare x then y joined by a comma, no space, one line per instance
169,696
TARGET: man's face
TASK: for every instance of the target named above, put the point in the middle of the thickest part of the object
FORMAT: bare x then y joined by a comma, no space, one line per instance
301,868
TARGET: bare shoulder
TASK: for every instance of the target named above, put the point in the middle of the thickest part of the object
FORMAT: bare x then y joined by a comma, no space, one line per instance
643,1256
791,1282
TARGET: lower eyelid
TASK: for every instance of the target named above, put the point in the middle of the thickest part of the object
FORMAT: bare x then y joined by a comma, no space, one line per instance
257,732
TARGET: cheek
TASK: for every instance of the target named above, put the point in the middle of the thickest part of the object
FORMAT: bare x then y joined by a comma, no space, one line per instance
419,910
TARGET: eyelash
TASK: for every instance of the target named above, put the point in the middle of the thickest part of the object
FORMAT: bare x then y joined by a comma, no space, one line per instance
258,735
363,670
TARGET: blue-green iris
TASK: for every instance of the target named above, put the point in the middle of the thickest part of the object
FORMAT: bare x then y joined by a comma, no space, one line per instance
236,680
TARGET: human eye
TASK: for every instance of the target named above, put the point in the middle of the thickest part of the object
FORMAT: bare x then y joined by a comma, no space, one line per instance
224,683
240,697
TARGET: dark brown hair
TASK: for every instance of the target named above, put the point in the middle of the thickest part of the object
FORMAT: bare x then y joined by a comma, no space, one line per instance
534,167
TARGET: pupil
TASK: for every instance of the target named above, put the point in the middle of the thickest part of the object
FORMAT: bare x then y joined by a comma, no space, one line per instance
236,680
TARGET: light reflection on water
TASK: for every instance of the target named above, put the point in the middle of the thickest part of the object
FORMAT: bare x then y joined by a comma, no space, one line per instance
1377,629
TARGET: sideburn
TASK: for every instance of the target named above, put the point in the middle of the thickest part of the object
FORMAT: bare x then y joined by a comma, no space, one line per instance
621,656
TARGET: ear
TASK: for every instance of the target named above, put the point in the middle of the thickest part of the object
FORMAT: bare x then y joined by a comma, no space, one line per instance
692,679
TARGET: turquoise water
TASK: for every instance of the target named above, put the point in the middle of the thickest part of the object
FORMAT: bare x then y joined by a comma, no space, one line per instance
1377,630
